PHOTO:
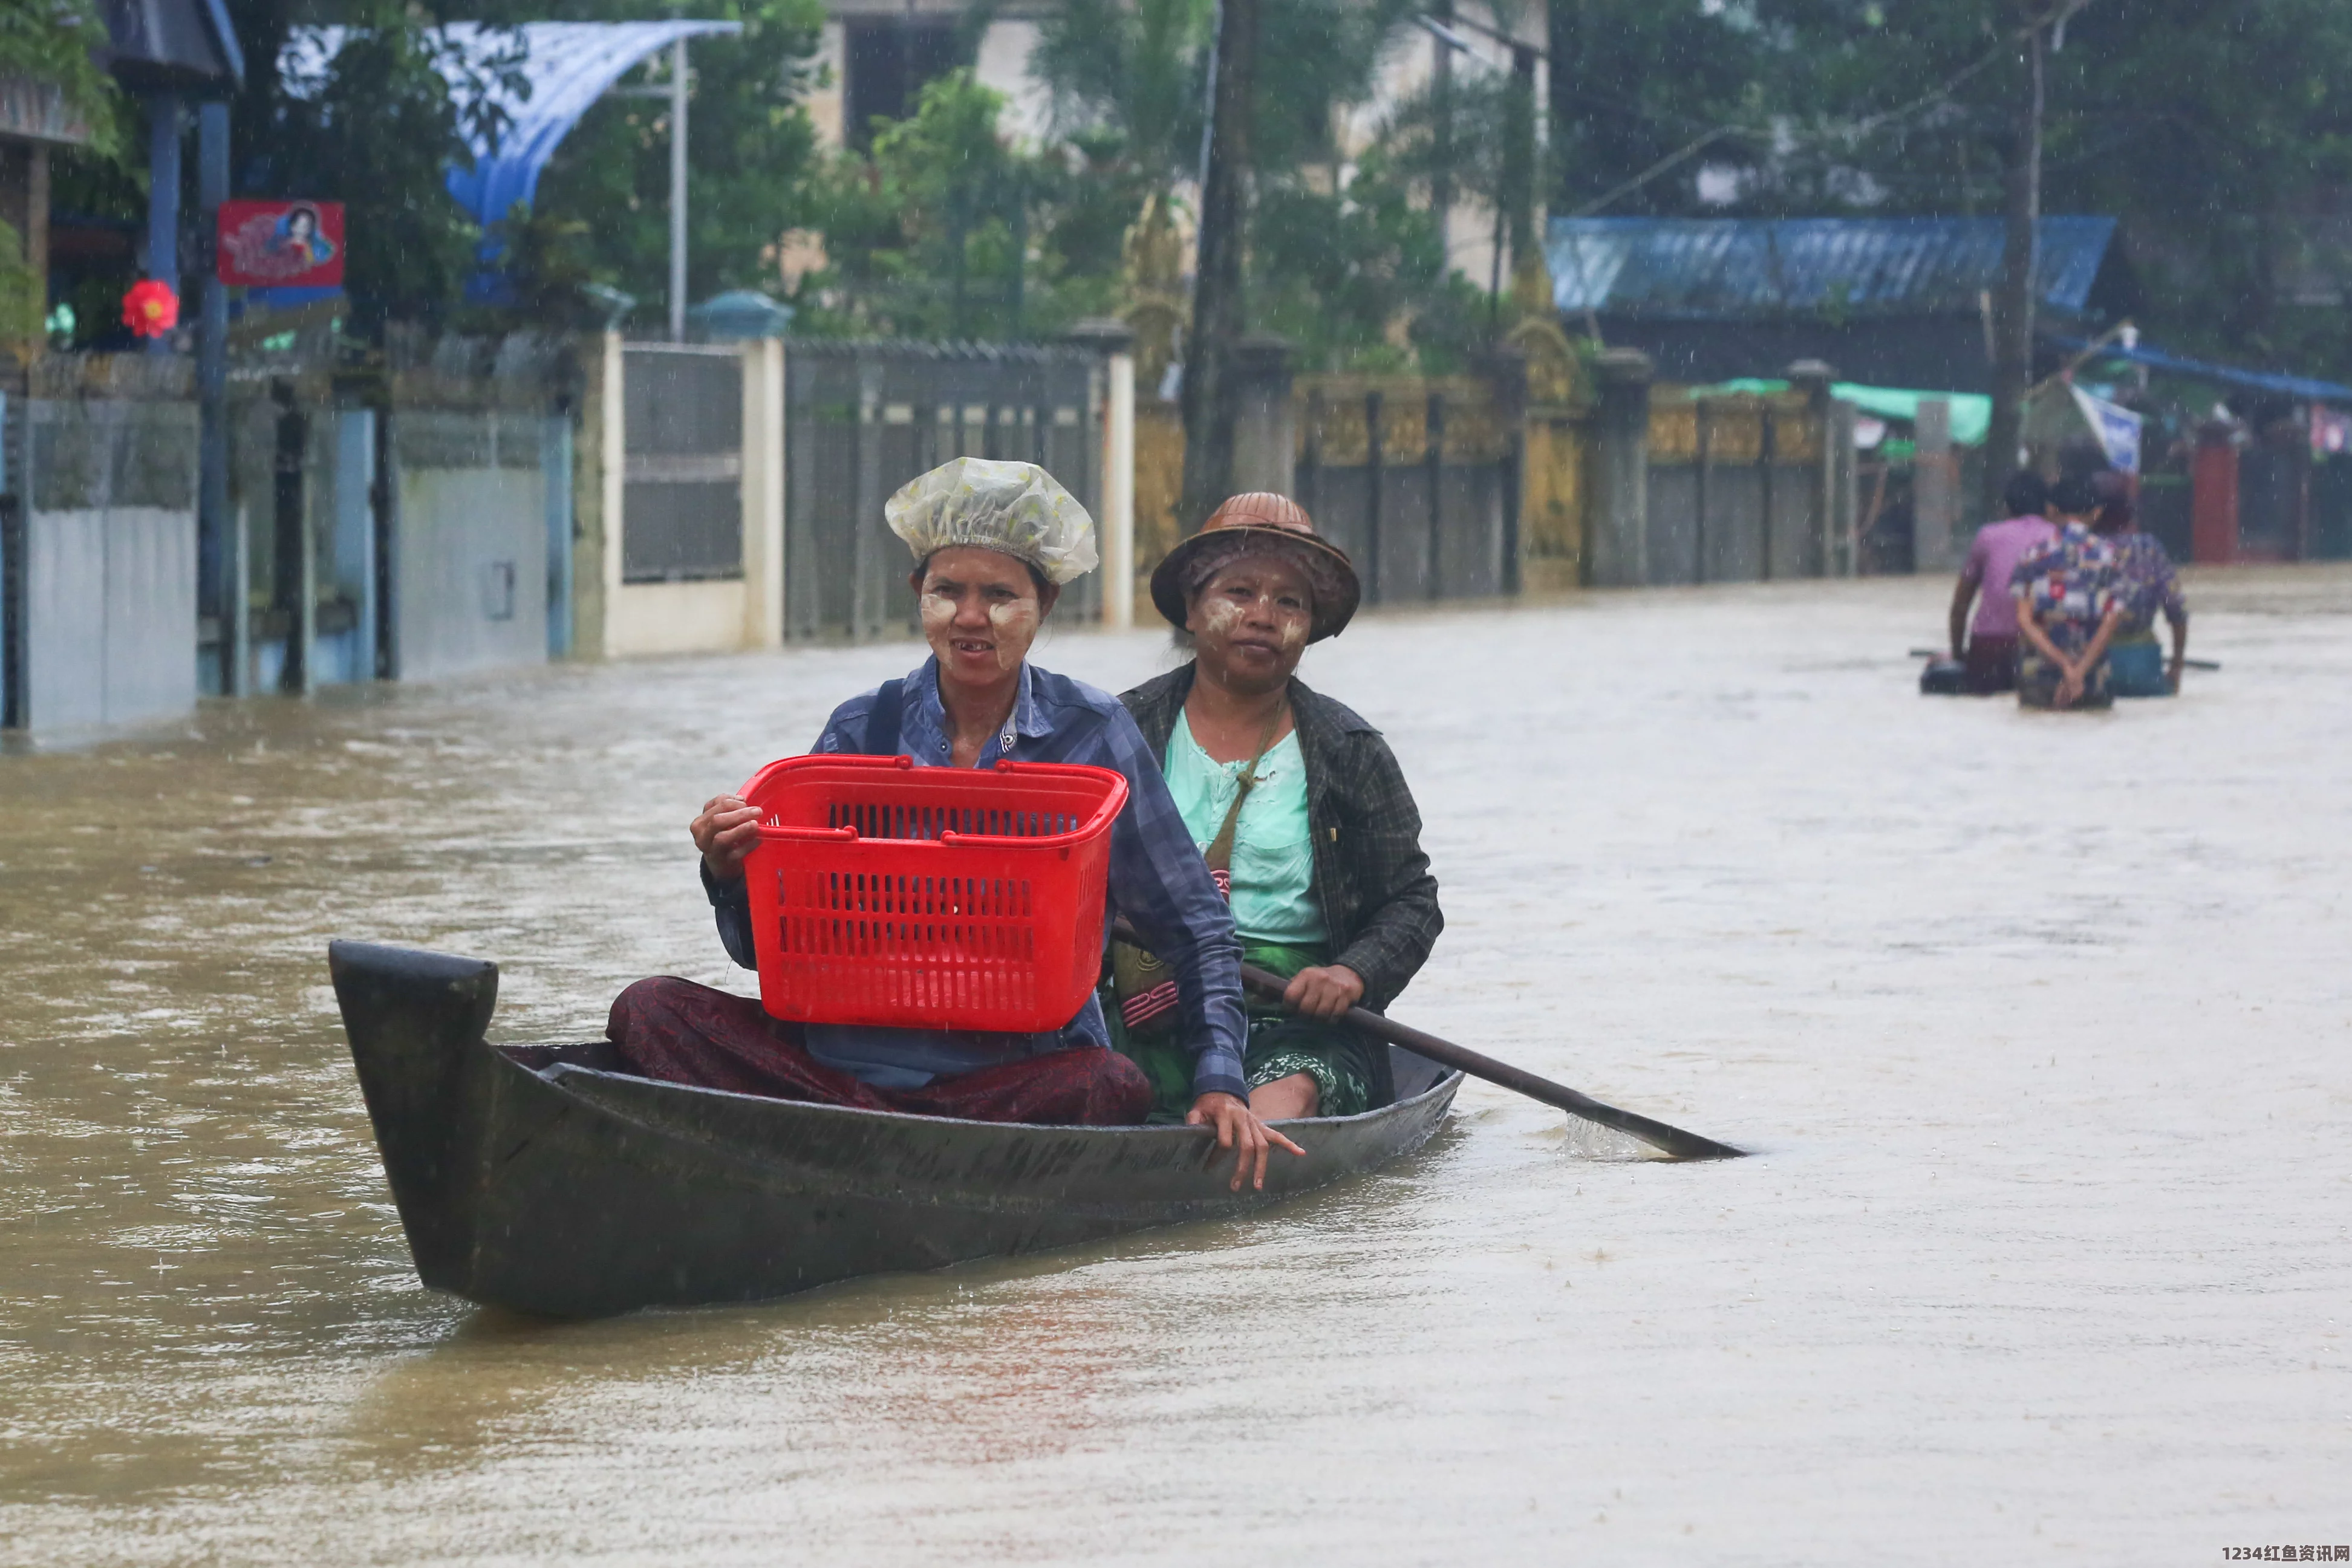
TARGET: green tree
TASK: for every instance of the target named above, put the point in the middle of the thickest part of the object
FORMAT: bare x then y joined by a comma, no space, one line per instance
50,41
1339,254
1634,84
1358,278
752,162
930,234
2220,133
1131,78
376,127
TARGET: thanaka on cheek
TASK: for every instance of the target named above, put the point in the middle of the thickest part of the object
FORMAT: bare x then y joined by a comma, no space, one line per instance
1016,627
939,621
1219,616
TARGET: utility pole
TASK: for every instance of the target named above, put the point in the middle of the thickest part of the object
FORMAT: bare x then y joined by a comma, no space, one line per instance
1519,156
2013,306
1441,133
677,191
1209,400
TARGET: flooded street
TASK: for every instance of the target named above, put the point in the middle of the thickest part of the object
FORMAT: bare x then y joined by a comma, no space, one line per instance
2042,1027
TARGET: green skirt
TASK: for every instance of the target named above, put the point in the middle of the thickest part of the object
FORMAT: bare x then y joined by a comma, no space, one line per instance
1350,1071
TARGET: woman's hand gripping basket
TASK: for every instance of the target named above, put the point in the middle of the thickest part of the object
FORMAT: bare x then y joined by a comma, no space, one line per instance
929,897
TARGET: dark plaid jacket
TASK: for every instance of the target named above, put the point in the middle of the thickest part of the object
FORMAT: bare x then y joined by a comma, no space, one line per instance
1379,899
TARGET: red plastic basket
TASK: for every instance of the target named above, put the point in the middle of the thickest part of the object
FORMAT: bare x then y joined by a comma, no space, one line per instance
929,897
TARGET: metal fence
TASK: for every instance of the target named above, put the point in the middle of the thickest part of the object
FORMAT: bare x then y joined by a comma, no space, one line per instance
1417,479
1738,490
683,407
862,419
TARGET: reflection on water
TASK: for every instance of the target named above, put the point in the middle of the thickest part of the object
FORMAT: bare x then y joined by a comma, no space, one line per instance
1990,991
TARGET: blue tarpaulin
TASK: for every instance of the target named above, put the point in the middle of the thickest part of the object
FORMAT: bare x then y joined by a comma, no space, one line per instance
568,66
2300,388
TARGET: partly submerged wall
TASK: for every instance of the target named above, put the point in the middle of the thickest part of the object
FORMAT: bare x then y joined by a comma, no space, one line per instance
99,557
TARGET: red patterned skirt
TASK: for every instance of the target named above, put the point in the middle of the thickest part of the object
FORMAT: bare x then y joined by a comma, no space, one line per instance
682,1032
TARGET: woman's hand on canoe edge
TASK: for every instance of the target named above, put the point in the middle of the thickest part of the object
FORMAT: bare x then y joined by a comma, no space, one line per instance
727,833
1239,1129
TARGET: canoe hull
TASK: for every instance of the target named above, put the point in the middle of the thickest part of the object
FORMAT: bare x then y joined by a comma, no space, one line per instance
529,1177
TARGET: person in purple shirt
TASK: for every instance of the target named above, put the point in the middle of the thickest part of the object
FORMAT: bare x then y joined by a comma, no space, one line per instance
993,542
1989,647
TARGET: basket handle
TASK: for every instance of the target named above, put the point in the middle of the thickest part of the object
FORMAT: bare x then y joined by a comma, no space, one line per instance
1014,840
771,835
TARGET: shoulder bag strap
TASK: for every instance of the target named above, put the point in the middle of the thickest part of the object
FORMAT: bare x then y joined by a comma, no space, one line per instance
1220,853
882,719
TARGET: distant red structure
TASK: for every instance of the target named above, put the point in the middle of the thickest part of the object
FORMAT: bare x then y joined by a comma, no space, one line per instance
2213,497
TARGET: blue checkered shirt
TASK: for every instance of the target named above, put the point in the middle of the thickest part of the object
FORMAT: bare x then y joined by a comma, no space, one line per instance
1157,881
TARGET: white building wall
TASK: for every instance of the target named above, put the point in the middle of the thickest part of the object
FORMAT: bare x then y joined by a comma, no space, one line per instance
1406,73
826,101
1003,64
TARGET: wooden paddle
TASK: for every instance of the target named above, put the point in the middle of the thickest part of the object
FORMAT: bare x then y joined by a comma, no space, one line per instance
1668,1140
2187,663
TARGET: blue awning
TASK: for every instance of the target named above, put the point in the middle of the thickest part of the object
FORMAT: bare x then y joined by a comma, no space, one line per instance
567,66
2300,388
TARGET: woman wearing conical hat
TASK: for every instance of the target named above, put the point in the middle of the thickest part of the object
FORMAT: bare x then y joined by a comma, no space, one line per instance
994,544
1297,804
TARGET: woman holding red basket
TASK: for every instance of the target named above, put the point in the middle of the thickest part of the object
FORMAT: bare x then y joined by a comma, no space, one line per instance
994,544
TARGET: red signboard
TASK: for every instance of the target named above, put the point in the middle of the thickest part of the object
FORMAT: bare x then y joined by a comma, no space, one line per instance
282,245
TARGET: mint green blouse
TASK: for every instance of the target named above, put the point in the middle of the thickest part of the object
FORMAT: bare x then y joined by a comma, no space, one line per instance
1274,849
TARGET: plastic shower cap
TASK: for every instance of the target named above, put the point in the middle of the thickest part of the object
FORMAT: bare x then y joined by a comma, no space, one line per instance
1014,508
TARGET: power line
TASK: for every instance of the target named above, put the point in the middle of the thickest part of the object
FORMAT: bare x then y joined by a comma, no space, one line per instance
1864,127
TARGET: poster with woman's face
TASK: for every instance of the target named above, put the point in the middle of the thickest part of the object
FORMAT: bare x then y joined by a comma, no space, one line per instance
283,244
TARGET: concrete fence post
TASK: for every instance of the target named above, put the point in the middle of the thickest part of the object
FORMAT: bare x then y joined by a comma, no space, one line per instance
1846,498
1935,489
1119,490
1115,340
1619,512
1506,372
763,493
1812,377
613,461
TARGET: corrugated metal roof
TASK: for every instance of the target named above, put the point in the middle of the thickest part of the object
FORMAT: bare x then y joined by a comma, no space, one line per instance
1721,269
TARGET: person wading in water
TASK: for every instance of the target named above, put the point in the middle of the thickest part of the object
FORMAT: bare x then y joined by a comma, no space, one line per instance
2135,664
994,543
2069,604
1294,802
1990,647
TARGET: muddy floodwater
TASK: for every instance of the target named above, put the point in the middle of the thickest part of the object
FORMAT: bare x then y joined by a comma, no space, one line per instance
2041,1027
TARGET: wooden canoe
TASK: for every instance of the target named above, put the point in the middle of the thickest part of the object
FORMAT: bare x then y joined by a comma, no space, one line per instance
536,1178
